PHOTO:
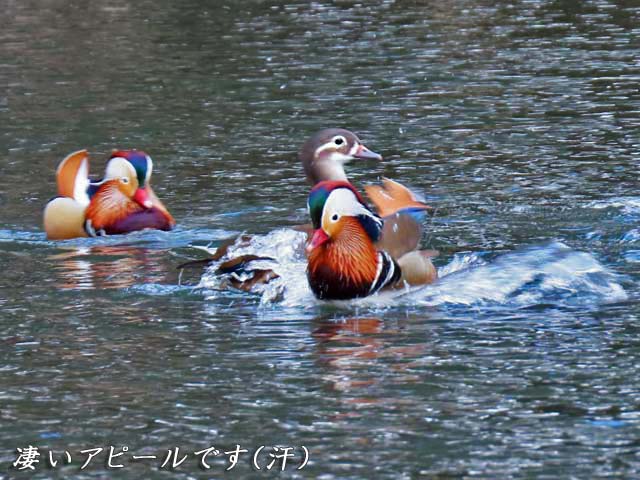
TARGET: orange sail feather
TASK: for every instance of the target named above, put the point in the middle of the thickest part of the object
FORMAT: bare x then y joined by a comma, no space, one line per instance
392,198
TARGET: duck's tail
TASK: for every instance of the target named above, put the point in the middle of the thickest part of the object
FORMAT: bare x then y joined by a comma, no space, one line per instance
417,267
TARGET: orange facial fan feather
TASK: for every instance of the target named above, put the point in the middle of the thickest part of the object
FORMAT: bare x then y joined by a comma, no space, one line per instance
111,203
345,266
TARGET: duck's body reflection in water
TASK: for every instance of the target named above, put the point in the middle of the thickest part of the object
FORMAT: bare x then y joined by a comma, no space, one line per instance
111,267
362,353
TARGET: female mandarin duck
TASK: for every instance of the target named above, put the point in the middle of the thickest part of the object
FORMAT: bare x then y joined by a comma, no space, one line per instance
122,202
343,259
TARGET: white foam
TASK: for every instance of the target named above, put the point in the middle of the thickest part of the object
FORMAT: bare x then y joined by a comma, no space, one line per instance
551,273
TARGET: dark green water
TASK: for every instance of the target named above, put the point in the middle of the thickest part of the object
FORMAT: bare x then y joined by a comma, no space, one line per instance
518,120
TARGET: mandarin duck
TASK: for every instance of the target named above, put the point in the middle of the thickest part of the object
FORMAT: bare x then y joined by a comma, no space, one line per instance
122,202
323,157
343,259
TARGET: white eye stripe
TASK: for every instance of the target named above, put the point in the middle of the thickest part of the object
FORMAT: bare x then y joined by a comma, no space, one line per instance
119,167
335,155
343,202
325,146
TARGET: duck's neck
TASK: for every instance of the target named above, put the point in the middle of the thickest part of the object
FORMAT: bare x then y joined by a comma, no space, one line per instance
322,170
346,264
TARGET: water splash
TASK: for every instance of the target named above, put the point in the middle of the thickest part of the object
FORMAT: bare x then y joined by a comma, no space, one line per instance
160,290
632,236
551,273
628,205
286,246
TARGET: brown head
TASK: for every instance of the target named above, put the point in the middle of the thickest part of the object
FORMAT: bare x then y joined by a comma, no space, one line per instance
324,155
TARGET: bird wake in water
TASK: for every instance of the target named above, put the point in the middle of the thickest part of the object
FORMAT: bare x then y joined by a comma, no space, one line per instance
549,273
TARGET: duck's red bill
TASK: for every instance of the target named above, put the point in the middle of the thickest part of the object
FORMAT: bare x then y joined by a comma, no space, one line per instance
142,197
317,239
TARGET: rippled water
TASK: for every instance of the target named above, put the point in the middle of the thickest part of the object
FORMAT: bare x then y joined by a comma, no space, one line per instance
517,120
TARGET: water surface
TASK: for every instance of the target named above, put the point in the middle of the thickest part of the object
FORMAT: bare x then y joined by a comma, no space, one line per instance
517,120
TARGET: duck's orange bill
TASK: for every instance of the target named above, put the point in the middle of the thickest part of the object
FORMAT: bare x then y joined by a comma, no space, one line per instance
318,238
142,197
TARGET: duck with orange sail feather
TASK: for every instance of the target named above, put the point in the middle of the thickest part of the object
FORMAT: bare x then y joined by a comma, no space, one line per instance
122,202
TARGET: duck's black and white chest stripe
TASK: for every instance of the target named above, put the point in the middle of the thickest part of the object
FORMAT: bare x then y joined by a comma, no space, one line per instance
387,273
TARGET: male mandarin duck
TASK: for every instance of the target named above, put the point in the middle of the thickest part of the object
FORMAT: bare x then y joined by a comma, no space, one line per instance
343,259
122,202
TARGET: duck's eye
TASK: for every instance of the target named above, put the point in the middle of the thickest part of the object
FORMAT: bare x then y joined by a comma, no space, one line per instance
339,141
335,217
125,180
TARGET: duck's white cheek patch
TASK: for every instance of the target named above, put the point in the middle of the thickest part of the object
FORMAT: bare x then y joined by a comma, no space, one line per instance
354,150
